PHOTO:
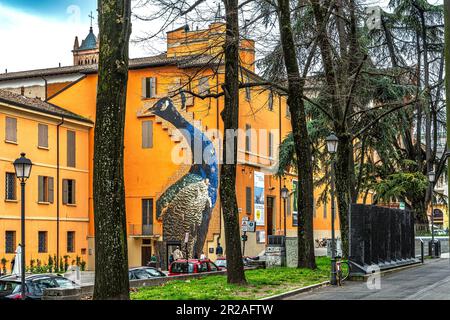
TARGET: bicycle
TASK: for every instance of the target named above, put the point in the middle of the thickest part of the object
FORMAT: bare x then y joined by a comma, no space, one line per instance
342,274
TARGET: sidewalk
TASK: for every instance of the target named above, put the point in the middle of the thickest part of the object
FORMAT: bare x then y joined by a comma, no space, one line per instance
430,281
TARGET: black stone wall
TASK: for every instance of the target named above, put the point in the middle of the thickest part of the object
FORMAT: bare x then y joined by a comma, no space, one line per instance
380,235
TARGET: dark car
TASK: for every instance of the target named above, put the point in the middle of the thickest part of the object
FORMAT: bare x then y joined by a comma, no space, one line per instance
10,286
144,273
190,266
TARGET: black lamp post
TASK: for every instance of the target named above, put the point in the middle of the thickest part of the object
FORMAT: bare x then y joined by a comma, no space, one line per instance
431,178
332,143
284,196
22,166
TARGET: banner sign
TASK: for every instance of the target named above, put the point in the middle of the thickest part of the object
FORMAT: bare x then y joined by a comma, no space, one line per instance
259,198
294,202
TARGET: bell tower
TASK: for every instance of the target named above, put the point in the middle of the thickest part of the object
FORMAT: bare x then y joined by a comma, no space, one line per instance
88,52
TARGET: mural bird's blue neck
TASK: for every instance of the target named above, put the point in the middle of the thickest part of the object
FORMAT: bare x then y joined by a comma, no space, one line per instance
204,157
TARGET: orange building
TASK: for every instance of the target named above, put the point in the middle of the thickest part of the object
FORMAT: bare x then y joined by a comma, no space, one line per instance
157,173
57,189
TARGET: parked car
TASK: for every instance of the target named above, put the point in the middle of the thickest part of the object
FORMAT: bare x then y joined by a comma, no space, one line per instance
144,273
182,267
11,288
222,261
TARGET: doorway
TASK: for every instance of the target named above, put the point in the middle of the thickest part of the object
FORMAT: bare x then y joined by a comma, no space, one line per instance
146,255
270,216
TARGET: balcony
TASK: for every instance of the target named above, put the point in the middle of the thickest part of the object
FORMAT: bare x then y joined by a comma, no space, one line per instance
141,231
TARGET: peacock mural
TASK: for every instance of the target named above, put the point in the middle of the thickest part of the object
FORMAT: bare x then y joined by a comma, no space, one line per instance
187,205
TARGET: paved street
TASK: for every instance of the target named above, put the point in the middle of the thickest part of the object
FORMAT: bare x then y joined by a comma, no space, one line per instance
426,282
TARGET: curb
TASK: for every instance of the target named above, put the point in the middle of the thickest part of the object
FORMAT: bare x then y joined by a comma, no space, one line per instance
297,291
385,272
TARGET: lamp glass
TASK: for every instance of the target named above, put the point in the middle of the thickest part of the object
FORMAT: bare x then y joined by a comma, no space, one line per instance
284,192
22,166
431,176
332,143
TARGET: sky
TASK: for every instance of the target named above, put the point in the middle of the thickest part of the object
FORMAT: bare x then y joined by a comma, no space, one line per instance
40,34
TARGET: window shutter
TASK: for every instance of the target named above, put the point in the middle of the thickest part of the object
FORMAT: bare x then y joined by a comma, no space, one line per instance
11,129
152,87
248,200
71,149
40,189
270,144
74,187
147,134
43,135
271,101
65,191
288,204
50,190
144,88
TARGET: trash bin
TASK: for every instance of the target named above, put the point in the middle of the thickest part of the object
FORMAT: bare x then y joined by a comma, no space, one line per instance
434,248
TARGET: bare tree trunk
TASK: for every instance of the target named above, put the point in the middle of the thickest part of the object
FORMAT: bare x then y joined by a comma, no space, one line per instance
296,85
111,263
230,116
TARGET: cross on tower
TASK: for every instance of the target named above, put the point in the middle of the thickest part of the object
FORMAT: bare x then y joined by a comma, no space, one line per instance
92,18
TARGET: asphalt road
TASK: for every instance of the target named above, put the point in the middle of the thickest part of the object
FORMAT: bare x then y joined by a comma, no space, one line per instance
430,281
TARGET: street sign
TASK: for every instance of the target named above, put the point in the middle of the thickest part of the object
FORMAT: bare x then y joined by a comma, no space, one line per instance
251,226
402,206
186,237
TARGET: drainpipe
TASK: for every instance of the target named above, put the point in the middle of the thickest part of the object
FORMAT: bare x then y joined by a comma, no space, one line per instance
57,190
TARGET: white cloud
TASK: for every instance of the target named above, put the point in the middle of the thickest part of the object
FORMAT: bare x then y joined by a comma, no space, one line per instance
33,42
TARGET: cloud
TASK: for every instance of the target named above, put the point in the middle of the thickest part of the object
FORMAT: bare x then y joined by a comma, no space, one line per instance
32,41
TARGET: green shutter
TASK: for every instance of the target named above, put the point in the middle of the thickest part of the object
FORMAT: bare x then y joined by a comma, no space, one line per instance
248,200
41,189
71,149
11,129
50,189
65,197
147,134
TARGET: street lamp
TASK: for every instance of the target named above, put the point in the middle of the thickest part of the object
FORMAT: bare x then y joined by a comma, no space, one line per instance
284,195
332,144
22,166
431,178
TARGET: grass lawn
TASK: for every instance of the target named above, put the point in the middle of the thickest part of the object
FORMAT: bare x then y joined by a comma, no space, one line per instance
261,283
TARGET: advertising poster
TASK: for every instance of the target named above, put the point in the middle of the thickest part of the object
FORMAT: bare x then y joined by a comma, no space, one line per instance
294,202
259,198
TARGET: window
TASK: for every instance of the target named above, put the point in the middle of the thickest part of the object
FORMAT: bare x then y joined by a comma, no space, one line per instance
203,86
45,189
270,144
248,95
42,240
42,136
288,112
10,186
10,241
248,137
248,200
325,209
70,241
69,187
11,130
71,148
270,102
147,211
148,88
147,134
